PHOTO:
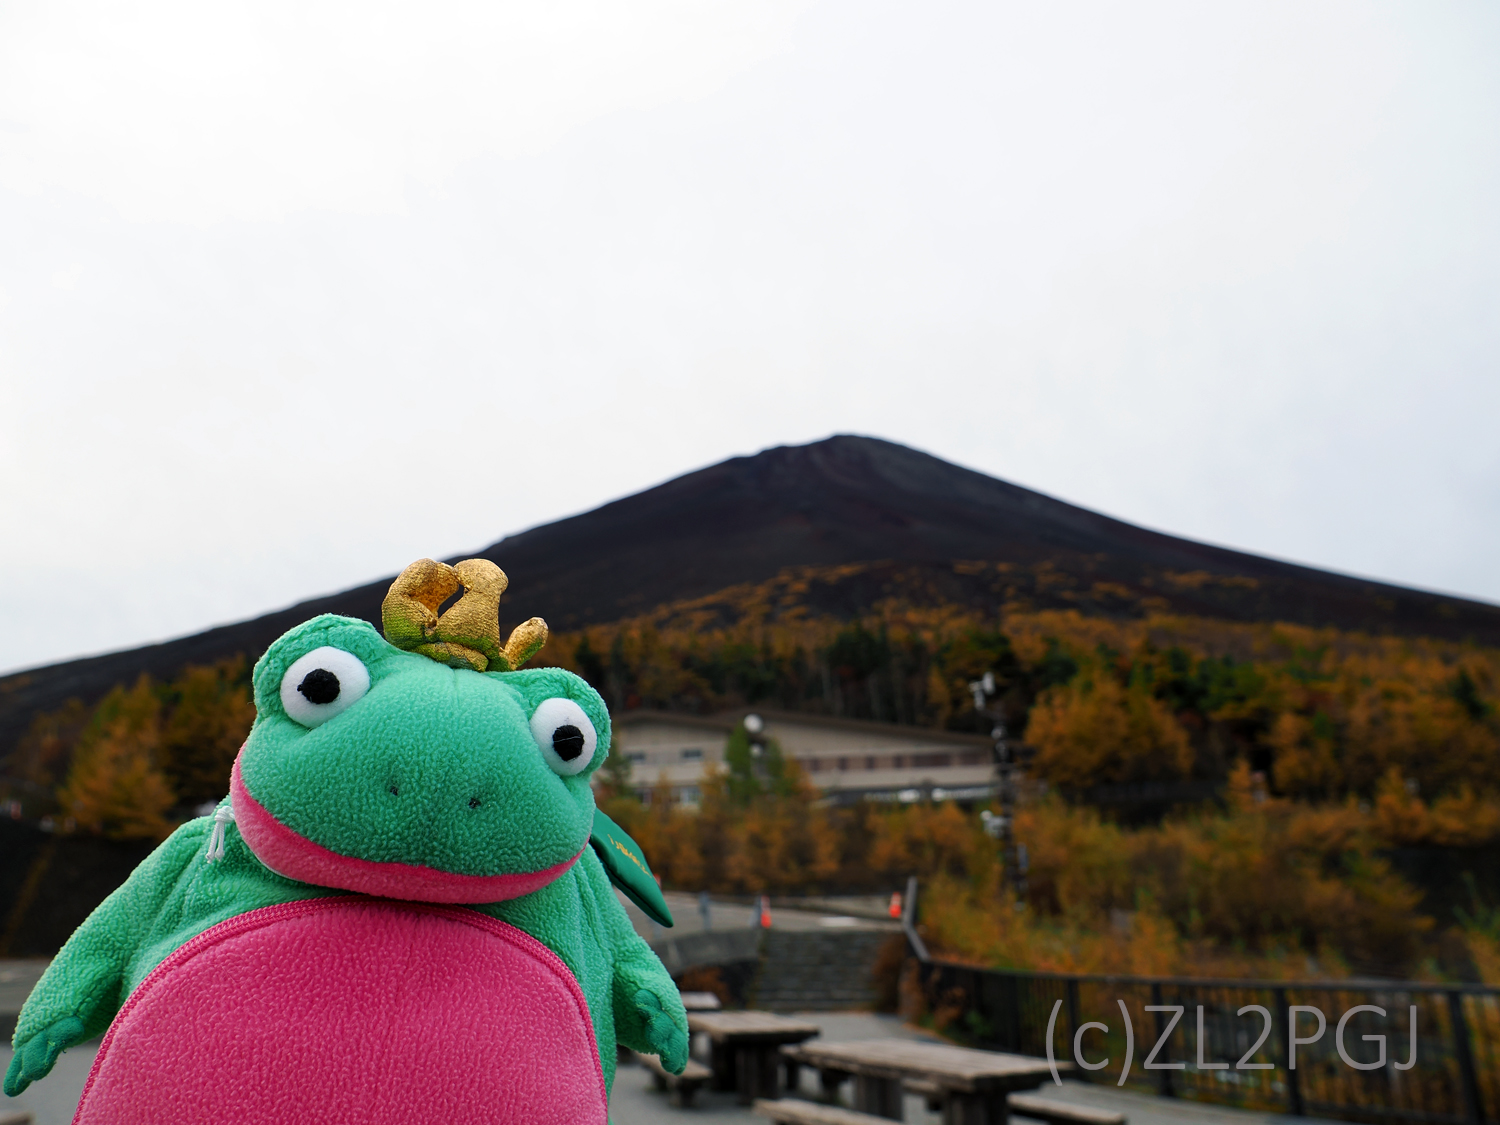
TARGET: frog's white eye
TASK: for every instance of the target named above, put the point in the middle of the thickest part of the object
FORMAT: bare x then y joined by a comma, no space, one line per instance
564,735
321,684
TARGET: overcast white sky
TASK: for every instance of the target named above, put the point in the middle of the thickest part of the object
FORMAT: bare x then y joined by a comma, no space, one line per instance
294,293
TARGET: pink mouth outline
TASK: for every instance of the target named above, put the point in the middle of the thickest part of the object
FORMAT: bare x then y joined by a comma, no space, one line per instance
293,855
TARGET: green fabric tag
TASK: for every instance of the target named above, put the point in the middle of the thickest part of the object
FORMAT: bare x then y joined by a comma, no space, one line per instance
628,869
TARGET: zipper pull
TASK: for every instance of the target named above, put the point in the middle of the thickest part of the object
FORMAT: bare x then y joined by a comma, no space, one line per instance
223,817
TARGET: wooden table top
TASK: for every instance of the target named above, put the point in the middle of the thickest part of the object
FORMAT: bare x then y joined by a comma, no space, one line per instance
765,1026
954,1068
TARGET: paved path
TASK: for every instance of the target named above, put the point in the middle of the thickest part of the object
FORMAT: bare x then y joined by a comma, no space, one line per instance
17,979
53,1100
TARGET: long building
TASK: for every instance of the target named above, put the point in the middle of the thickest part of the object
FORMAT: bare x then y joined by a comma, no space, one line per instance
847,758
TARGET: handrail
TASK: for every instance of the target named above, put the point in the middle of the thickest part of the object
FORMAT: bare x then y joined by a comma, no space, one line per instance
1362,984
1353,984
1006,1009
909,920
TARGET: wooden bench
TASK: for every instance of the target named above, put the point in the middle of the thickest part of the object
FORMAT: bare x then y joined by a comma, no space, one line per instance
1061,1113
830,1078
930,1091
683,1086
793,1111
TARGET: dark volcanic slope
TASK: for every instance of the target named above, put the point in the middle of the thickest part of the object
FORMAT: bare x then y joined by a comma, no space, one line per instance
847,499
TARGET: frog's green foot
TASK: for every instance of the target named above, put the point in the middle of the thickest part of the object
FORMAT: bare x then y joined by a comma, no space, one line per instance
668,1037
34,1058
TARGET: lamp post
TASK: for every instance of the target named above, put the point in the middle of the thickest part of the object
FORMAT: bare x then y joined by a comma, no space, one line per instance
755,727
1013,858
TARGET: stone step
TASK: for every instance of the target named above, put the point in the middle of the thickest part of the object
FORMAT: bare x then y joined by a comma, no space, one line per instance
818,969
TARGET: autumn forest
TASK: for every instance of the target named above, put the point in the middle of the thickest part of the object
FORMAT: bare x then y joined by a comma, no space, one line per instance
1261,799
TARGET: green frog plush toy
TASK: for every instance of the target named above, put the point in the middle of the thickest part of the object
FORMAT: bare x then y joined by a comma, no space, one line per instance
395,915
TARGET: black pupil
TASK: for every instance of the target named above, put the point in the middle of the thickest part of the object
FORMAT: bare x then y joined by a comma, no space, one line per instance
320,686
567,740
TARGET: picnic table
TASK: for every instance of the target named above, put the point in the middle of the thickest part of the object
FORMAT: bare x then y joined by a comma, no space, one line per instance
970,1085
743,1048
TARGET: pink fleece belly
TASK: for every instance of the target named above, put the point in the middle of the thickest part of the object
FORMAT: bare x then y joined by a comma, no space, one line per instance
353,1011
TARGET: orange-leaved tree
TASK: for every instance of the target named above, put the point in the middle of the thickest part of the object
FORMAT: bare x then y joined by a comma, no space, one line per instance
1093,730
116,786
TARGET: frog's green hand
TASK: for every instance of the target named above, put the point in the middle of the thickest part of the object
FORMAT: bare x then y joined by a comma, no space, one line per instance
667,1035
34,1058
84,984
649,1015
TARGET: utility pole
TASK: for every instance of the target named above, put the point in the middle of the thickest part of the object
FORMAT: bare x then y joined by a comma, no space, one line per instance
1013,858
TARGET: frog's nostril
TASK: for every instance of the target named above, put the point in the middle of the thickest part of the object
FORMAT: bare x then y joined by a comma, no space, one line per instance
473,802
395,792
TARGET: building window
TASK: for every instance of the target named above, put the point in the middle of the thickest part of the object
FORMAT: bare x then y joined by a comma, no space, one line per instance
932,760
869,761
693,754
637,758
843,764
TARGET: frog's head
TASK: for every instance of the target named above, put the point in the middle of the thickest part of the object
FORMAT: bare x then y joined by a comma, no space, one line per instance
396,773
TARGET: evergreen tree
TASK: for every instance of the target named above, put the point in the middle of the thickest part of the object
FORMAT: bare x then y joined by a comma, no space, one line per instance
210,716
753,773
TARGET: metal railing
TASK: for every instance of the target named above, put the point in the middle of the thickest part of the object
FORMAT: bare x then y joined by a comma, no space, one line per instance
1388,1052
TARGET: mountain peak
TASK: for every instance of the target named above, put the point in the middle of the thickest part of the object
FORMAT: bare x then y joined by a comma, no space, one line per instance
906,516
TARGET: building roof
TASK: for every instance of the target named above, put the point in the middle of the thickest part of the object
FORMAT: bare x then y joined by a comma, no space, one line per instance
726,721
672,718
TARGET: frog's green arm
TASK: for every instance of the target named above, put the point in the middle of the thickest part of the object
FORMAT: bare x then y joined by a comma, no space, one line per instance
81,990
648,1009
